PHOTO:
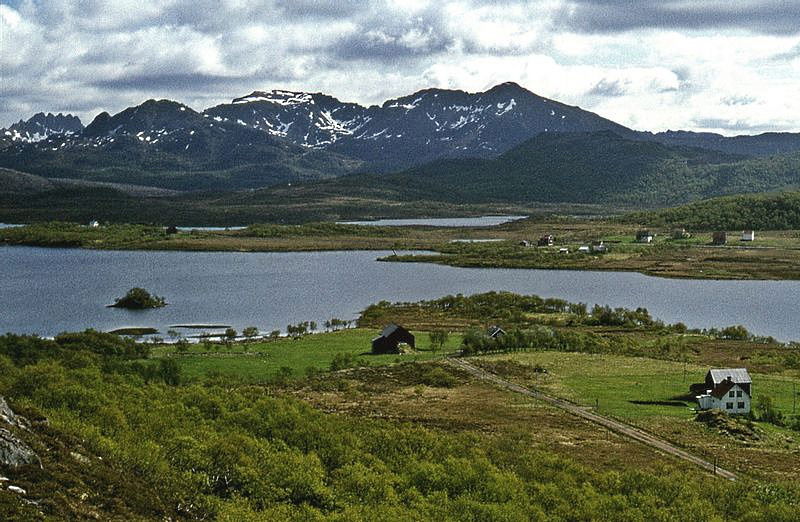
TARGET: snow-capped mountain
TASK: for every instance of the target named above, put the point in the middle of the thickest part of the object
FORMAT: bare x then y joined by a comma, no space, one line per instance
41,126
167,144
427,125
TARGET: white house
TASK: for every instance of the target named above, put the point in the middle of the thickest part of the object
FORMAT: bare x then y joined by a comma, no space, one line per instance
94,224
749,235
725,389
584,249
644,236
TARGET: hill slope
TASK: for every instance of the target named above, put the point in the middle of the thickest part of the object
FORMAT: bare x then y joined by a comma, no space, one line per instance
750,211
575,168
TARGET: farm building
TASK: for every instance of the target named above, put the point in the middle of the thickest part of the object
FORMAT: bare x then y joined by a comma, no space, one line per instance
495,331
719,238
584,249
599,246
644,236
546,240
749,235
725,389
390,338
680,233
525,243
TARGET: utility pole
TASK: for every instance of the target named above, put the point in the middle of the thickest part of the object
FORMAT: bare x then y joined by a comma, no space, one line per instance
715,464
794,398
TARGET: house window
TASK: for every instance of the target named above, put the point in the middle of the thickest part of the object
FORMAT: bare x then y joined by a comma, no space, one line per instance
728,405
739,393
731,394
740,405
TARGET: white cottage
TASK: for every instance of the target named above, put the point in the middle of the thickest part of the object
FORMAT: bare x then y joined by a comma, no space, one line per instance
725,389
749,235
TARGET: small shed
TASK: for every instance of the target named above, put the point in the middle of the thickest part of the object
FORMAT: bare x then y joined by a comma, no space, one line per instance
719,238
390,338
644,236
94,224
546,240
525,243
748,235
495,331
584,249
599,246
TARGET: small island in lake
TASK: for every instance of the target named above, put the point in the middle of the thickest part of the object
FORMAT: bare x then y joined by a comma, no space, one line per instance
139,299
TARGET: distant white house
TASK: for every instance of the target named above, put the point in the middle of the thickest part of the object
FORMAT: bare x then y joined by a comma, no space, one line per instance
599,247
725,389
584,249
563,250
94,224
749,235
644,236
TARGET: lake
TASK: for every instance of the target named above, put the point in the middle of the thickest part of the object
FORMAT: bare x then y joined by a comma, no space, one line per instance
47,291
482,221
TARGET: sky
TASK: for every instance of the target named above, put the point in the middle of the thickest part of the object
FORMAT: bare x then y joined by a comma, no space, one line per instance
728,66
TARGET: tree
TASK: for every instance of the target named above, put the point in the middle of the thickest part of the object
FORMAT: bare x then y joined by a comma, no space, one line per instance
230,335
250,332
139,299
274,334
169,372
438,339
182,346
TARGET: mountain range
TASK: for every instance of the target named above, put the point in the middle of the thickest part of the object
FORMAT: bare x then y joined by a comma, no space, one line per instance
506,142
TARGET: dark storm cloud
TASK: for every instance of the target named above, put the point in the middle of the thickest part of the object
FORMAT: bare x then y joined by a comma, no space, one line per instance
176,80
610,16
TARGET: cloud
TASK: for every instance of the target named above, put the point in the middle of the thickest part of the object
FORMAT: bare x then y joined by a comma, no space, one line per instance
763,16
650,65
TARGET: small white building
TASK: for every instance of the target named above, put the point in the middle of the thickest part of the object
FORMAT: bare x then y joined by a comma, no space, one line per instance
725,389
644,236
94,224
584,249
749,235
599,247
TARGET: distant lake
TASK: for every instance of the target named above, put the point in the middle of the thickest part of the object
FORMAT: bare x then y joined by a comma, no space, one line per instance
9,225
483,221
47,291
209,229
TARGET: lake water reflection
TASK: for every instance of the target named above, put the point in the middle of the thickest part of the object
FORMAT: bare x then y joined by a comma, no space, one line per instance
47,291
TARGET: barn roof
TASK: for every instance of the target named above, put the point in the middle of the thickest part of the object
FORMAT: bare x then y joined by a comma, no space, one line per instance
737,375
389,330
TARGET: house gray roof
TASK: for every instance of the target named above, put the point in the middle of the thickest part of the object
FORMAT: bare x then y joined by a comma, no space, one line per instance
737,375
389,330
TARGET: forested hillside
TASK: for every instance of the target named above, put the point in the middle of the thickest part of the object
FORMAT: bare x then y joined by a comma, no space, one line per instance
752,211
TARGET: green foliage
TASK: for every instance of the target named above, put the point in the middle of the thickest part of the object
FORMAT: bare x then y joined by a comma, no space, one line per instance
757,211
438,339
139,299
768,412
216,451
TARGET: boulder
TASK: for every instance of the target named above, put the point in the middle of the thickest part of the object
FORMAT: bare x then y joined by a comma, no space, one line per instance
11,418
14,452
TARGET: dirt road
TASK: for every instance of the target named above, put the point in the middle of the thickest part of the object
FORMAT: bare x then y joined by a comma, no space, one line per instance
579,411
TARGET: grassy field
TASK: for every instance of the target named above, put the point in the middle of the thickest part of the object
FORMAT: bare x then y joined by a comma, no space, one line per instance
292,358
774,254
638,389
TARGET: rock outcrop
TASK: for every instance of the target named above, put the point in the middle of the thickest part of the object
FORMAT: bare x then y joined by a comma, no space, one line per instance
14,452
